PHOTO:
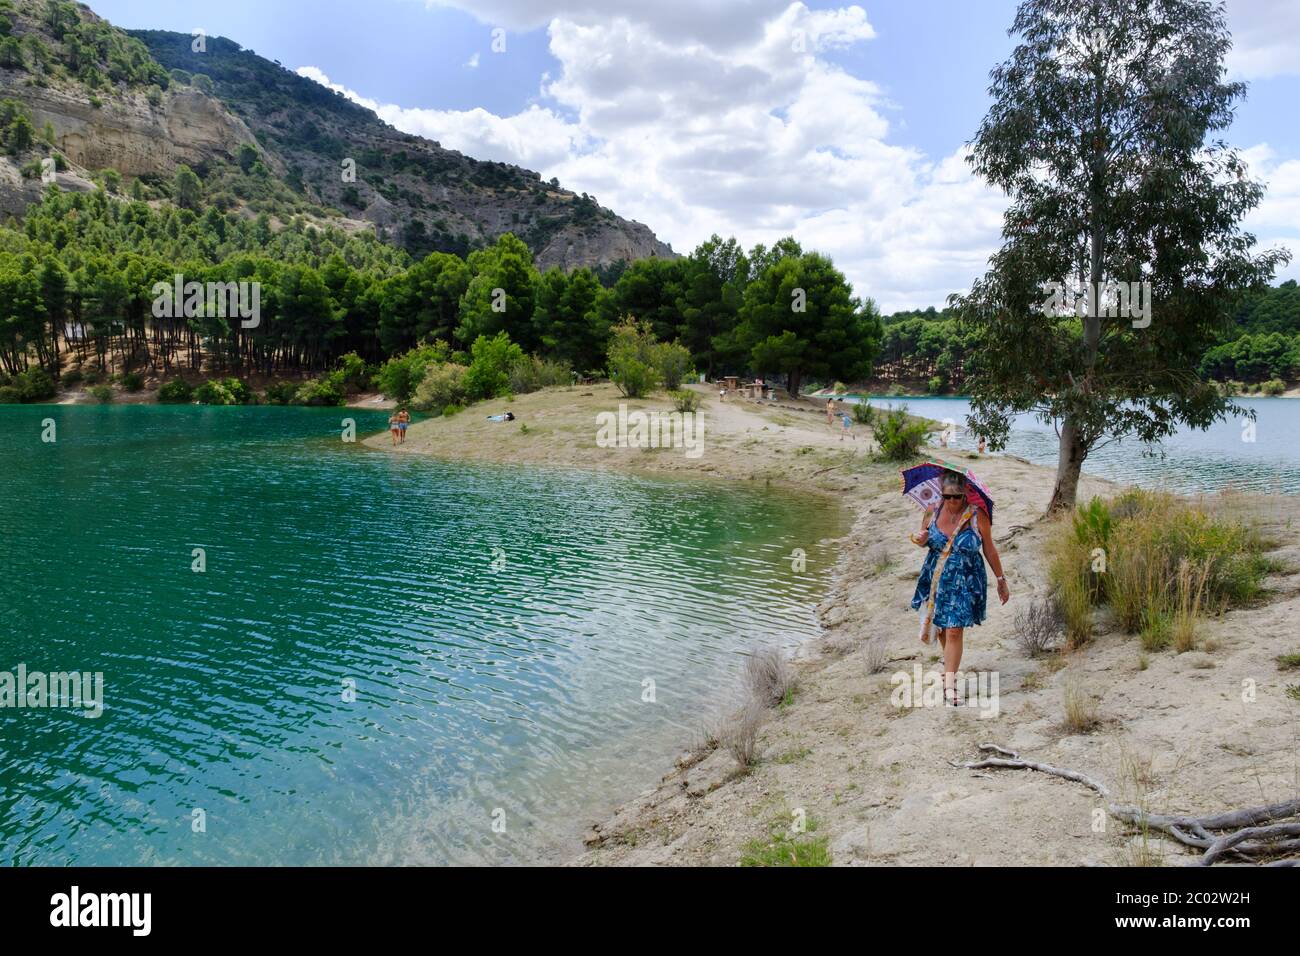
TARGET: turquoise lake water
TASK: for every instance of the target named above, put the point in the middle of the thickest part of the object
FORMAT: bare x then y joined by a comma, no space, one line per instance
498,625
1263,456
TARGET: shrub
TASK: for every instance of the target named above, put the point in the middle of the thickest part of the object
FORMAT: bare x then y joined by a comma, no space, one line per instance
488,375
35,385
1038,625
281,393
443,387
631,359
1080,709
685,401
176,392
133,381
672,362
740,735
71,379
863,413
1274,386
399,377
102,394
10,395
1164,562
229,391
769,676
898,436
935,385
533,373
355,373
327,390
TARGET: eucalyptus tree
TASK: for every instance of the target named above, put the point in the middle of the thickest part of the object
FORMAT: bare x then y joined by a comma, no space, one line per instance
1102,133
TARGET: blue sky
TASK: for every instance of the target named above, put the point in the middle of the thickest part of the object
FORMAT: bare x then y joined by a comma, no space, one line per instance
694,116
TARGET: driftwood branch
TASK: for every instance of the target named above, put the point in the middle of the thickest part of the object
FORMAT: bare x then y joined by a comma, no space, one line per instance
1251,834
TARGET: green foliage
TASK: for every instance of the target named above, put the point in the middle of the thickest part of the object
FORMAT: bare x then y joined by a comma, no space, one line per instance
354,373
325,390
17,134
533,373
399,377
631,359
35,385
863,413
102,394
228,391
499,297
442,386
672,362
785,847
898,435
1073,135
488,375
685,401
799,318
188,190
281,393
569,317
176,392
1152,545
10,395
133,381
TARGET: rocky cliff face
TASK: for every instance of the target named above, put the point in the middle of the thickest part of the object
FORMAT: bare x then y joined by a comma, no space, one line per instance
152,103
133,136
414,191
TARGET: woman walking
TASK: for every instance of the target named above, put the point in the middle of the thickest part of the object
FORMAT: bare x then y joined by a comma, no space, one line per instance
952,589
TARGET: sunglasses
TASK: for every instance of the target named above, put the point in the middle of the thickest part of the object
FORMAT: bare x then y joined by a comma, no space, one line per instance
953,497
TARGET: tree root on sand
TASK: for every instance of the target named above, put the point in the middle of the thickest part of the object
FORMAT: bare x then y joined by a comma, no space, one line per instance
1253,832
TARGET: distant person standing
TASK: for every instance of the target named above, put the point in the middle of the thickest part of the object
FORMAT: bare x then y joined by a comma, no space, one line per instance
393,427
830,411
847,420
403,422
981,444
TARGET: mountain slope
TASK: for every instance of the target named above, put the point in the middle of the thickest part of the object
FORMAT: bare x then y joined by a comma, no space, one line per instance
144,102
411,188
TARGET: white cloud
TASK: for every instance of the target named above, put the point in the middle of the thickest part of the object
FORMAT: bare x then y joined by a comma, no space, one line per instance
728,116
472,62
1276,221
1265,38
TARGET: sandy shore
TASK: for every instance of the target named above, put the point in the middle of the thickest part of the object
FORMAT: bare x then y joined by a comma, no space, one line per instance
1175,736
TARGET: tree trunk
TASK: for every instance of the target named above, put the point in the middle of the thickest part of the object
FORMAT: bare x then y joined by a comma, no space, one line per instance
1068,466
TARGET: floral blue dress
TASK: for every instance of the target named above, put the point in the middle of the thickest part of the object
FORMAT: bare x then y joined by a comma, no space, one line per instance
962,599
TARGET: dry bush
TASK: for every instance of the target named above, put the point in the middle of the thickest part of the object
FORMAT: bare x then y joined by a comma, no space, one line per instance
877,657
1069,572
769,676
1187,604
740,735
1081,715
1038,625
878,558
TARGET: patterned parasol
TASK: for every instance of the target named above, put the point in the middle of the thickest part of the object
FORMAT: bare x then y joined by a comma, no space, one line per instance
921,484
